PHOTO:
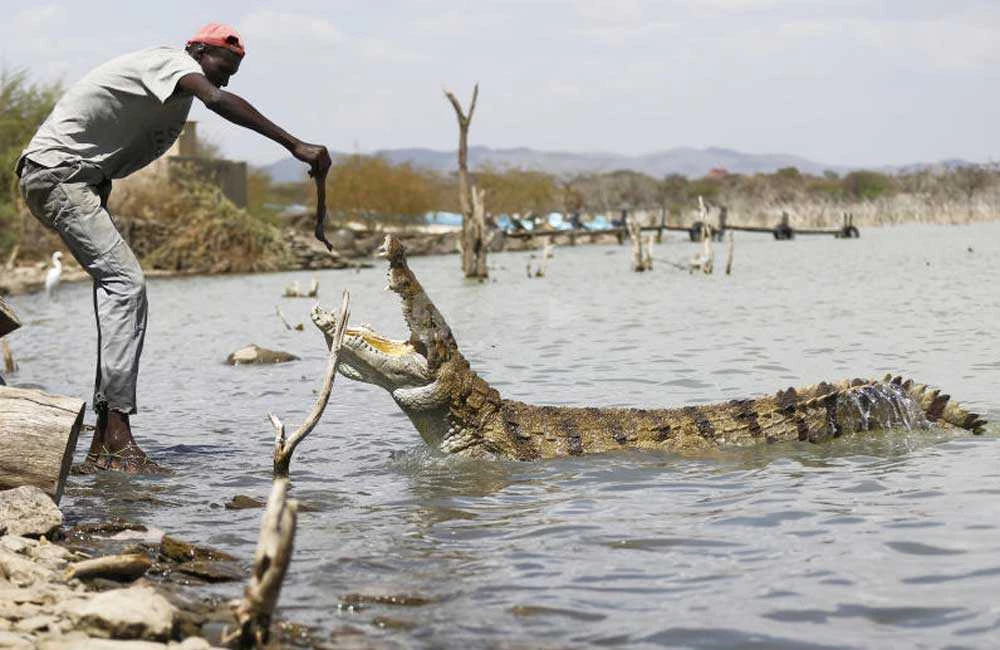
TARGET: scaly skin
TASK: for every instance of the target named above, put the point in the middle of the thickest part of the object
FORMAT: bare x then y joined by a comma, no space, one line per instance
455,410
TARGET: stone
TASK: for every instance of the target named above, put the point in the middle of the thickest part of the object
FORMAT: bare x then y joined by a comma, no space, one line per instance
28,511
35,624
15,641
254,354
138,612
16,544
78,642
212,571
191,643
21,571
51,556
178,550
243,502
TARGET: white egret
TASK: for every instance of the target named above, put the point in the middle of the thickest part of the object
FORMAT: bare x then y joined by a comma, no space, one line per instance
52,276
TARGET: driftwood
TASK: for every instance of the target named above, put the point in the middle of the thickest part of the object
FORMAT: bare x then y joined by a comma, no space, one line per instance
470,200
274,552
38,434
12,258
113,567
8,319
284,447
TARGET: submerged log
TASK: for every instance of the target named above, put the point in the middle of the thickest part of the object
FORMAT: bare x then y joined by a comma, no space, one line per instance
38,434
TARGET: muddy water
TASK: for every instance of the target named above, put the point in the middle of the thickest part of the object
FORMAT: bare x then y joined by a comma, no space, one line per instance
888,541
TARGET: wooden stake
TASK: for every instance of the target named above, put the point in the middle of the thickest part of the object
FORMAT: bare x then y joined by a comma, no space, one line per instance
283,448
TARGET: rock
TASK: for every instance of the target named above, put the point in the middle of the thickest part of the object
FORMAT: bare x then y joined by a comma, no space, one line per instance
83,642
134,613
35,624
254,354
16,544
191,643
51,556
243,502
15,641
177,550
21,571
27,510
212,571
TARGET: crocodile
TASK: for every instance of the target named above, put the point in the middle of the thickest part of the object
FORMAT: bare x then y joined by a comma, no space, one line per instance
457,411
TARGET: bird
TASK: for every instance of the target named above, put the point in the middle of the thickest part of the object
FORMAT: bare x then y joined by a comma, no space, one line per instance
52,276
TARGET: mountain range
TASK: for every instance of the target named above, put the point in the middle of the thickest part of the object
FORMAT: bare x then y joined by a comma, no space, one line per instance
687,161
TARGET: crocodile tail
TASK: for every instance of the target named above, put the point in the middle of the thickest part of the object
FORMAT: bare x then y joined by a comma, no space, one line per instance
938,407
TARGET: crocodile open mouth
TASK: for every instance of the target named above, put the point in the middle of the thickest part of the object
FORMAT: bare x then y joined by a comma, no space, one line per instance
386,346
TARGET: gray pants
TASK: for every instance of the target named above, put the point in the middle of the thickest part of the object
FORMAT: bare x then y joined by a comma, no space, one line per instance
72,201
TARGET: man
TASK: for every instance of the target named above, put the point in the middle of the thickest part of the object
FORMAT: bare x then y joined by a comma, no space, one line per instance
117,119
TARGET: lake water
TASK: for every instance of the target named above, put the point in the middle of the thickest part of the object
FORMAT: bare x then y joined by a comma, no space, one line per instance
890,540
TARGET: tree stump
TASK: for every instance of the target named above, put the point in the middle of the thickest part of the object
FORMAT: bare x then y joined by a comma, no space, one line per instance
38,434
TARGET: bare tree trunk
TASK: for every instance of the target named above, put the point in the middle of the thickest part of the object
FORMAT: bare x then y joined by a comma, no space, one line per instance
473,224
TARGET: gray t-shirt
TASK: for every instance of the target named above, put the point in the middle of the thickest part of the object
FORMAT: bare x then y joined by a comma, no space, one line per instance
120,117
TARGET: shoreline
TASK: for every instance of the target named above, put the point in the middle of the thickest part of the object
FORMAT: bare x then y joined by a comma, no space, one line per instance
154,589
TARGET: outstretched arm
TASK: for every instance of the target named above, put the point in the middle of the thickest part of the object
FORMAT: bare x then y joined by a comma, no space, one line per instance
239,111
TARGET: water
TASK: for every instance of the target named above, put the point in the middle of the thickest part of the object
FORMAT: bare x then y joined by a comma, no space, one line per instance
884,541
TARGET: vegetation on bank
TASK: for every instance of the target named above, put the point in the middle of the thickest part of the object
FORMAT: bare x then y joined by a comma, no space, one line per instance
196,228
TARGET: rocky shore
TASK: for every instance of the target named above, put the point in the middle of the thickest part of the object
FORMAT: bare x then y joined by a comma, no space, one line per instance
108,586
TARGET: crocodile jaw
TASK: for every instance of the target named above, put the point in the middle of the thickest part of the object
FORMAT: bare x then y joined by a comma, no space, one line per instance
374,359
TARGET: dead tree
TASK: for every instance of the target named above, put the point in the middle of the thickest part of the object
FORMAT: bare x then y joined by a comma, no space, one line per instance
471,203
283,447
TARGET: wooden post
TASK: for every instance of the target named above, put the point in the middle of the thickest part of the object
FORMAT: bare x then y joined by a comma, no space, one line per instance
38,434
473,222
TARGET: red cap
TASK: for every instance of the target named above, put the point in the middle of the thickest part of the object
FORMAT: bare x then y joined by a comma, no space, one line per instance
221,36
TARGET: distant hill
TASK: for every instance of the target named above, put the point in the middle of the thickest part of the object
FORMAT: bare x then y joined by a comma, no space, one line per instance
688,161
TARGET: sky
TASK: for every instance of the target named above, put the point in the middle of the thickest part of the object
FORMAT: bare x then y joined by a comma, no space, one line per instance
842,82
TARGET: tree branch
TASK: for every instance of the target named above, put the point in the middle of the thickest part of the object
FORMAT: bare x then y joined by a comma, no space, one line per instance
283,448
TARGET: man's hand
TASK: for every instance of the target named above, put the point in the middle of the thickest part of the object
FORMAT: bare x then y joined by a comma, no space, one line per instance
316,156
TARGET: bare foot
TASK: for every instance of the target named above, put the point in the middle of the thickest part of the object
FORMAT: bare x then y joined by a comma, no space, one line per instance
115,449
